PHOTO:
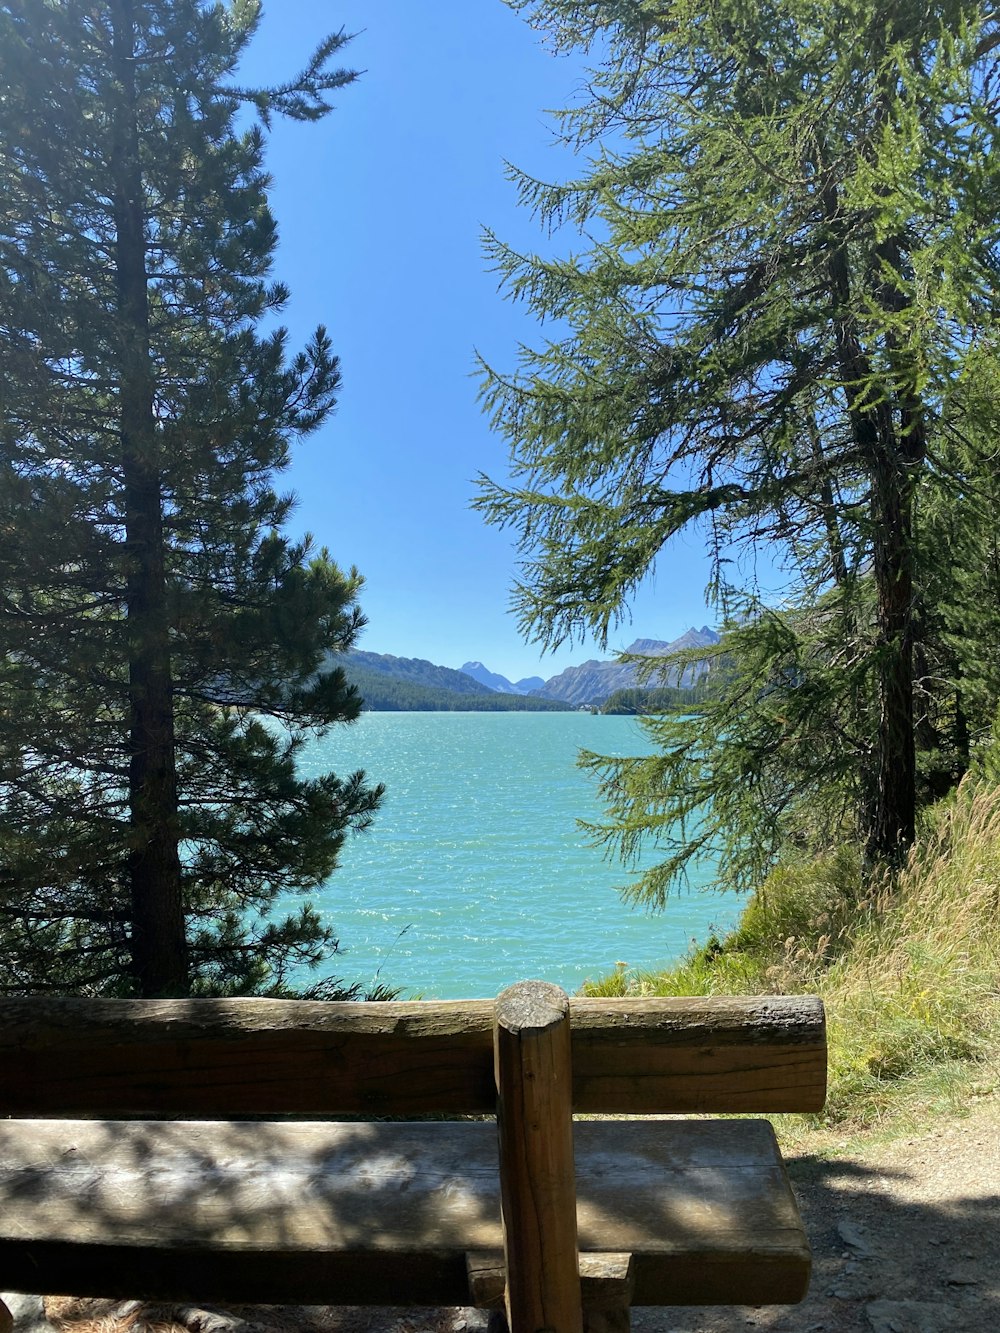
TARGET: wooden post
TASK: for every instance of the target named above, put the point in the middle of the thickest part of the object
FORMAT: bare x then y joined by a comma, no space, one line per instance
6,1319
606,1286
531,1044
607,1282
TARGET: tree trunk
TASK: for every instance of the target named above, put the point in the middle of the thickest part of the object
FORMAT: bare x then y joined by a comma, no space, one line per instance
904,448
891,454
894,815
159,947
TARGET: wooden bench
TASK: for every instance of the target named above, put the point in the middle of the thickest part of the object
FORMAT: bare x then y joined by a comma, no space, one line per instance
224,1205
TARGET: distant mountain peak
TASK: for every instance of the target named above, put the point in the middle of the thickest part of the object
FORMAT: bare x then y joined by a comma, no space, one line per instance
493,681
500,684
528,683
589,683
648,647
592,682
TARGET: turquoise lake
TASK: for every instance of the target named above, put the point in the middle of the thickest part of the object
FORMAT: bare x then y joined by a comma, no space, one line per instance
475,874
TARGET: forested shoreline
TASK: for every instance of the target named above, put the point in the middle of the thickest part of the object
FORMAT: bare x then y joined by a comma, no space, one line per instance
388,694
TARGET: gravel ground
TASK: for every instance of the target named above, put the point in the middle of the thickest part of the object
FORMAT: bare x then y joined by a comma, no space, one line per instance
905,1236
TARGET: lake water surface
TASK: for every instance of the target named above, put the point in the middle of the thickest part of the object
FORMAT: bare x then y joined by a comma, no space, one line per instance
475,874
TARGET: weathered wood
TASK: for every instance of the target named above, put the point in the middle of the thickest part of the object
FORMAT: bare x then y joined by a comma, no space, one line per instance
261,1057
610,1280
534,1081
609,1293
607,1282
245,1057
328,1213
487,1278
744,1054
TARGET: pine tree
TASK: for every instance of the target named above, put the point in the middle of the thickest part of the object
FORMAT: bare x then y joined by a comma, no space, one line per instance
789,211
167,648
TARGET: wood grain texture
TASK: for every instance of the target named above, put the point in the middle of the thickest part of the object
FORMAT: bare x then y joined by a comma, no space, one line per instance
606,1280
745,1054
300,1213
531,1040
266,1057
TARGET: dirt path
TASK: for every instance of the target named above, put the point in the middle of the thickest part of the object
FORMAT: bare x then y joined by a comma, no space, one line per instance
906,1239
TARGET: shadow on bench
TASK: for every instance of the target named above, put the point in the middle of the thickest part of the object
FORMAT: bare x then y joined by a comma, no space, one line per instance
655,1211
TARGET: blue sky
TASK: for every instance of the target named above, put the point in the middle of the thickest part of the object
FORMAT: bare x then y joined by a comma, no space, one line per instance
380,209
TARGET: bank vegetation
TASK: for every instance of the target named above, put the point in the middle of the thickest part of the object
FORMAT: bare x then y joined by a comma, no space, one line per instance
909,967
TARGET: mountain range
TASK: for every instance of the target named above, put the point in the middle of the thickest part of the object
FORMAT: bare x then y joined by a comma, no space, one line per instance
411,684
593,681
391,683
529,685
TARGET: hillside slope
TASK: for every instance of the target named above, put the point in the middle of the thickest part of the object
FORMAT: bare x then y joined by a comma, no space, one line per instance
410,685
413,670
594,681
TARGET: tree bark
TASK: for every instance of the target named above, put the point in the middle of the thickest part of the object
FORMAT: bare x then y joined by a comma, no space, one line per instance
158,943
892,828
534,1076
891,453
904,448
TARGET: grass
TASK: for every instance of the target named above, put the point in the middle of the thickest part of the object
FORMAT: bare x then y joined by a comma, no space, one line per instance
909,968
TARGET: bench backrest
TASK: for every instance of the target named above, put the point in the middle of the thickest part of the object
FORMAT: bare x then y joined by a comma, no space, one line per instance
532,1057
251,1057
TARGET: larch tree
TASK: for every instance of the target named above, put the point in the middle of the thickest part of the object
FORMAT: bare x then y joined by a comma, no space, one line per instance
958,543
167,648
789,248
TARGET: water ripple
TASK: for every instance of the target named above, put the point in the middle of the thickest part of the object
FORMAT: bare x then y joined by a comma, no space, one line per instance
475,873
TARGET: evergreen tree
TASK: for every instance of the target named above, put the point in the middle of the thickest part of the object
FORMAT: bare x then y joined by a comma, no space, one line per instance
958,672
790,213
166,648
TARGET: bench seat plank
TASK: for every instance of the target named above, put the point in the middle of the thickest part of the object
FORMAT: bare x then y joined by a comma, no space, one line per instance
379,1213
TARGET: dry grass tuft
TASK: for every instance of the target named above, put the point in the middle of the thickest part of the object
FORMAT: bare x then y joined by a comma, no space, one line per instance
909,967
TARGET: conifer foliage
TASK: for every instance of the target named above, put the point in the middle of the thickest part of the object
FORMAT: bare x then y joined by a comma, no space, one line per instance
790,251
166,647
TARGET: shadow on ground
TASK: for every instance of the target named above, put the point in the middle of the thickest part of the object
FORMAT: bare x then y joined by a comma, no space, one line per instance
883,1263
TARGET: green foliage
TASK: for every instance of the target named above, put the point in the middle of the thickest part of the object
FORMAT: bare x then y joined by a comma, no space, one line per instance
959,685
771,758
909,970
657,698
788,269
154,611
